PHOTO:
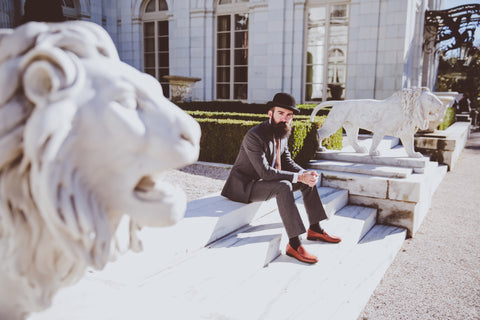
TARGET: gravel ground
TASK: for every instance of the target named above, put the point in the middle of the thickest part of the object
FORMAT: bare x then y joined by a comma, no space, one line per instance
198,180
436,274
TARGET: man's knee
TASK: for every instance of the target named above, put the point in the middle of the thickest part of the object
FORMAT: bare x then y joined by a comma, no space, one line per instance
283,186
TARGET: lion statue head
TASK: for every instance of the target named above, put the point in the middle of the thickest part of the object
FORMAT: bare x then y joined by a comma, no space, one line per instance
84,139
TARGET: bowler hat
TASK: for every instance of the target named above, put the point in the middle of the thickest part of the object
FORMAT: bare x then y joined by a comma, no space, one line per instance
283,100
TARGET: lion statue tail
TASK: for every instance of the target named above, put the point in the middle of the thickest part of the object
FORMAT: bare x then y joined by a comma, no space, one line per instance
320,106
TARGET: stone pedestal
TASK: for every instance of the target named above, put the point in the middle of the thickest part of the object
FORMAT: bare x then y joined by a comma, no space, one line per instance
448,99
181,87
444,146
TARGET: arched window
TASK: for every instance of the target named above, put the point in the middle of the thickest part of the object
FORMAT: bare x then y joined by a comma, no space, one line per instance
232,50
326,60
156,60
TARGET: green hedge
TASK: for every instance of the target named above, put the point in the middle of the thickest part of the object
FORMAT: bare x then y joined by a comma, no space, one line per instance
306,109
448,119
241,107
224,106
221,139
239,116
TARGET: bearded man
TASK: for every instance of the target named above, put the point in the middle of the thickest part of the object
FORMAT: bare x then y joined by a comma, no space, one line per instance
264,169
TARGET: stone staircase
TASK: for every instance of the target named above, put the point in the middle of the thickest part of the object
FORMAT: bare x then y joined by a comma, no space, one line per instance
400,187
225,260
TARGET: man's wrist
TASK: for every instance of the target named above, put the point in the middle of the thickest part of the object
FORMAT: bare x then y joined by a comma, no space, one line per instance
296,178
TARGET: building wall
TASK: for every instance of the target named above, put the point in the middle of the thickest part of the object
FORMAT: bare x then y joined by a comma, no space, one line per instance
384,47
10,13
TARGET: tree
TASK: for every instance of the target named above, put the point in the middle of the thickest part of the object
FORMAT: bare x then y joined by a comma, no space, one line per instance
455,30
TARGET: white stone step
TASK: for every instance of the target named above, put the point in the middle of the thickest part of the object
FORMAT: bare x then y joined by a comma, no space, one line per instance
408,189
204,275
401,202
336,288
446,145
276,291
206,220
356,278
332,199
396,157
361,168
365,140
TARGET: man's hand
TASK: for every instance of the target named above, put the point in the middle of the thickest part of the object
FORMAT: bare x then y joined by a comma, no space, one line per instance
310,178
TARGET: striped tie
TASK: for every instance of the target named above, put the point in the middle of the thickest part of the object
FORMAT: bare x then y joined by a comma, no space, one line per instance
278,160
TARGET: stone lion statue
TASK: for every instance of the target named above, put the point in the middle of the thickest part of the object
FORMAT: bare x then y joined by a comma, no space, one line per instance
84,139
400,115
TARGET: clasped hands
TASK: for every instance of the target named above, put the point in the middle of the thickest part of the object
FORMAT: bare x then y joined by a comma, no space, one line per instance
310,178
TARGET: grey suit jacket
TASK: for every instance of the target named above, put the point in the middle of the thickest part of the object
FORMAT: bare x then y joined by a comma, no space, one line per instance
255,161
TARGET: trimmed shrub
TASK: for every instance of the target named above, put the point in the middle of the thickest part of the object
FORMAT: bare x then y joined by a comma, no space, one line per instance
237,116
448,119
221,139
240,107
228,115
224,106
306,109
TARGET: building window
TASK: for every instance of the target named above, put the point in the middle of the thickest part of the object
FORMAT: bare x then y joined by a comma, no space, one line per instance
232,56
70,9
156,5
231,1
326,60
68,3
156,61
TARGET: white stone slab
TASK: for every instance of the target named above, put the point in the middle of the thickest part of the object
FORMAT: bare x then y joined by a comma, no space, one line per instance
444,146
206,220
287,286
356,184
361,168
393,157
365,140
193,286
357,277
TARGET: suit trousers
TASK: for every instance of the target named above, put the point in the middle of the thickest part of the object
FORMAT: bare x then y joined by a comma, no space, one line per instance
283,190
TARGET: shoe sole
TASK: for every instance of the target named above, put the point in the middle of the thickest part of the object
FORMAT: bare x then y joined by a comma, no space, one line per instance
306,261
316,239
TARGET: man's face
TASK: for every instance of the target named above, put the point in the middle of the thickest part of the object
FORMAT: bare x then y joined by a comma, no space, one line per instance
278,114
281,120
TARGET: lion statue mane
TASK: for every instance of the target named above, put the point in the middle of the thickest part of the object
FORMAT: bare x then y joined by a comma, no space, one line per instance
84,139
400,115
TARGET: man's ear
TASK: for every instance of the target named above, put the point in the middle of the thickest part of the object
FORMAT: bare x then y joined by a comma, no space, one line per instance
270,113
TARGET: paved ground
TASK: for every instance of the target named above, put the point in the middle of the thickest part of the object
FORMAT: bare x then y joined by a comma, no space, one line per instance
436,275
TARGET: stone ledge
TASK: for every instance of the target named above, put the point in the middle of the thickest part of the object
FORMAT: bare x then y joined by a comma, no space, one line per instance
444,146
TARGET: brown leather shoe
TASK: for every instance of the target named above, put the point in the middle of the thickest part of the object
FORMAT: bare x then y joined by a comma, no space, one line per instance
301,254
312,235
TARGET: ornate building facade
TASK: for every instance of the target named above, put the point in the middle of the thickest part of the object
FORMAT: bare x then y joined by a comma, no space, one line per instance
250,49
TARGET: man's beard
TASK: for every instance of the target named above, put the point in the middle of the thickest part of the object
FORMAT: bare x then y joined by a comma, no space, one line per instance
281,129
